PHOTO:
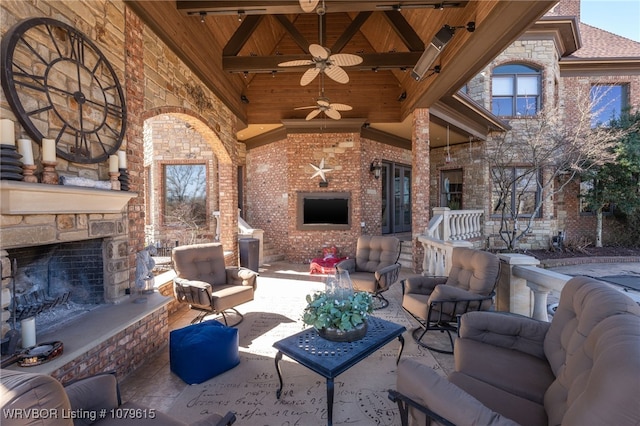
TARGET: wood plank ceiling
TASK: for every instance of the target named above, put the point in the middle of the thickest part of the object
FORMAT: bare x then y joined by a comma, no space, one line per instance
235,48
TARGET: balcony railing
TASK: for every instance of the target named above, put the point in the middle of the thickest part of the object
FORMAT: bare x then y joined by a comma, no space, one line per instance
455,225
523,286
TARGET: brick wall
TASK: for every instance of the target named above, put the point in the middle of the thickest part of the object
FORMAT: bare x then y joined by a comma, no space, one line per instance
278,171
170,140
122,353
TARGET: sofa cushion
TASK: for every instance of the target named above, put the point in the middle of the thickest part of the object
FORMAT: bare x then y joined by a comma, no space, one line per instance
513,371
202,351
521,410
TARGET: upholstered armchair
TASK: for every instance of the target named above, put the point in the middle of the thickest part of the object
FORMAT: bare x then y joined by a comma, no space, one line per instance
436,302
375,266
207,285
582,368
39,399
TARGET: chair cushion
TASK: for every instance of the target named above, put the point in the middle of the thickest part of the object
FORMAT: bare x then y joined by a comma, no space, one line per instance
201,351
375,252
364,281
200,262
28,393
513,371
521,410
474,270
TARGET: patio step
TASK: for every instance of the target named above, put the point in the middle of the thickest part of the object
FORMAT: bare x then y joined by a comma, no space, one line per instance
269,253
406,254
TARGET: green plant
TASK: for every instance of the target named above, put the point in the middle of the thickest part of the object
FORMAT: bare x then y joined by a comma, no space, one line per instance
324,311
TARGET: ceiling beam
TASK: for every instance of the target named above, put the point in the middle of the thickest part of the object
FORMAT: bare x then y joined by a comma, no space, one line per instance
351,30
404,30
242,35
299,39
272,7
268,64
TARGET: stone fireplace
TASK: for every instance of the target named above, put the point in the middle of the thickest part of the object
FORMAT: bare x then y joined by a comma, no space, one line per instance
57,282
67,248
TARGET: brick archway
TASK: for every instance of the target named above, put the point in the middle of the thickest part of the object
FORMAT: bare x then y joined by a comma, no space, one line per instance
227,165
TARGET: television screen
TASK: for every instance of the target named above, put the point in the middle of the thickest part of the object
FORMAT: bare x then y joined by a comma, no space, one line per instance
326,211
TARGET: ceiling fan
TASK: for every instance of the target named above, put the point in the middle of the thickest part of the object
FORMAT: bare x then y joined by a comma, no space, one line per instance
308,5
322,59
324,62
323,105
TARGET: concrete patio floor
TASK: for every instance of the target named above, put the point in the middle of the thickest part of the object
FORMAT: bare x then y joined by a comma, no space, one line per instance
155,373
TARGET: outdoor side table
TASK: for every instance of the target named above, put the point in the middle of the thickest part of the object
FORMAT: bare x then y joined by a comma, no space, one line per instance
329,359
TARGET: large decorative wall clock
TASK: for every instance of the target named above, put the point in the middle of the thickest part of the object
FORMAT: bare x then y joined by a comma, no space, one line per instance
62,87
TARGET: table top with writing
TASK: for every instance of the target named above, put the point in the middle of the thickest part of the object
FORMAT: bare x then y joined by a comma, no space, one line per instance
329,358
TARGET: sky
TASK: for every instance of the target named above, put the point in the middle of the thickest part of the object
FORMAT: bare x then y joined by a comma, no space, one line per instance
620,17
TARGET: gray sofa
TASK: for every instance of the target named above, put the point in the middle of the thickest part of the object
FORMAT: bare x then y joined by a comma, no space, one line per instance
582,368
39,399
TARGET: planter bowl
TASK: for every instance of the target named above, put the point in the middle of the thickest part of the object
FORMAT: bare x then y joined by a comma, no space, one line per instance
337,335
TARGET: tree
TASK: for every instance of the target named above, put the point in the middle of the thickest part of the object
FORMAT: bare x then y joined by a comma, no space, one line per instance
185,199
538,158
617,182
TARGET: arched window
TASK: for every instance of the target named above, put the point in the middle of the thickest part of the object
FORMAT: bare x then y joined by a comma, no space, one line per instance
515,90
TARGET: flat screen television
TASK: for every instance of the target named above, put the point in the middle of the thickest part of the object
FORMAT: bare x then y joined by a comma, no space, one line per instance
324,210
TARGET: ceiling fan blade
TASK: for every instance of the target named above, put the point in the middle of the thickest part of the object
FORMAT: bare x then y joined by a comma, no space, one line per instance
337,74
313,114
341,107
308,5
309,75
332,113
318,51
296,63
307,107
345,59
323,102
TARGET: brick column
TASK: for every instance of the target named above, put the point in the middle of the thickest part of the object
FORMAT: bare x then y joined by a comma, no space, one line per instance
228,203
420,182
134,91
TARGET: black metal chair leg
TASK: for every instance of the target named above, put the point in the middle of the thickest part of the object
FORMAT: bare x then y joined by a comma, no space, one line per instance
424,330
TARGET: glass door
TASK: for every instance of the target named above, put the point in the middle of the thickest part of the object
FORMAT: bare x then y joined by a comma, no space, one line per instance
396,198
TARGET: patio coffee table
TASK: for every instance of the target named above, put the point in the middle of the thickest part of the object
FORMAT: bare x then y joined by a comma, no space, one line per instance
329,359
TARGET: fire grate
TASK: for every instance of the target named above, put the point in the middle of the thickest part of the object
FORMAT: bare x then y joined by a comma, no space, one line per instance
31,304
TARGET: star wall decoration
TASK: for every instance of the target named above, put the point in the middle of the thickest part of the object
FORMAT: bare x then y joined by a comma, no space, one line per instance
320,171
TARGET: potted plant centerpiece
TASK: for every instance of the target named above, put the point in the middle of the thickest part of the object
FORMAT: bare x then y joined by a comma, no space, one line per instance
338,313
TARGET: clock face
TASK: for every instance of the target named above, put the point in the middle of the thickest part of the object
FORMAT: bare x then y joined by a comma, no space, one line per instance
60,86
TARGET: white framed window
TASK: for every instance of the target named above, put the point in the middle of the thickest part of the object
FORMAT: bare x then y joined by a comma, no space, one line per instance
515,90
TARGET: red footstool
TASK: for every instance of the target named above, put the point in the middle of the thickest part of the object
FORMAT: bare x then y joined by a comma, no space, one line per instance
327,263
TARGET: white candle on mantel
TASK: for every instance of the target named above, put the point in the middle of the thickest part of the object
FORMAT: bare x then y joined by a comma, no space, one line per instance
7,132
28,332
113,164
26,150
49,150
122,159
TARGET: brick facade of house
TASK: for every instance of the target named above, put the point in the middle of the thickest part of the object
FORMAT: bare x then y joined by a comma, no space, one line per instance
278,172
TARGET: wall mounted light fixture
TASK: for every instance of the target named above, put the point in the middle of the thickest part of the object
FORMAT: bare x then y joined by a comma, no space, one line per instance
376,168
434,48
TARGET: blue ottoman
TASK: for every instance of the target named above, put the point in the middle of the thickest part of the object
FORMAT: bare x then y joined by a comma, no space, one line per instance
202,351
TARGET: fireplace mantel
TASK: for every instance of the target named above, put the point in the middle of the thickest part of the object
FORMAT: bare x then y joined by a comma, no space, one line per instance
22,198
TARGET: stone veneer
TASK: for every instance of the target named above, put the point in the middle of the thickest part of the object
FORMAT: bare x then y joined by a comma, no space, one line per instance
156,82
